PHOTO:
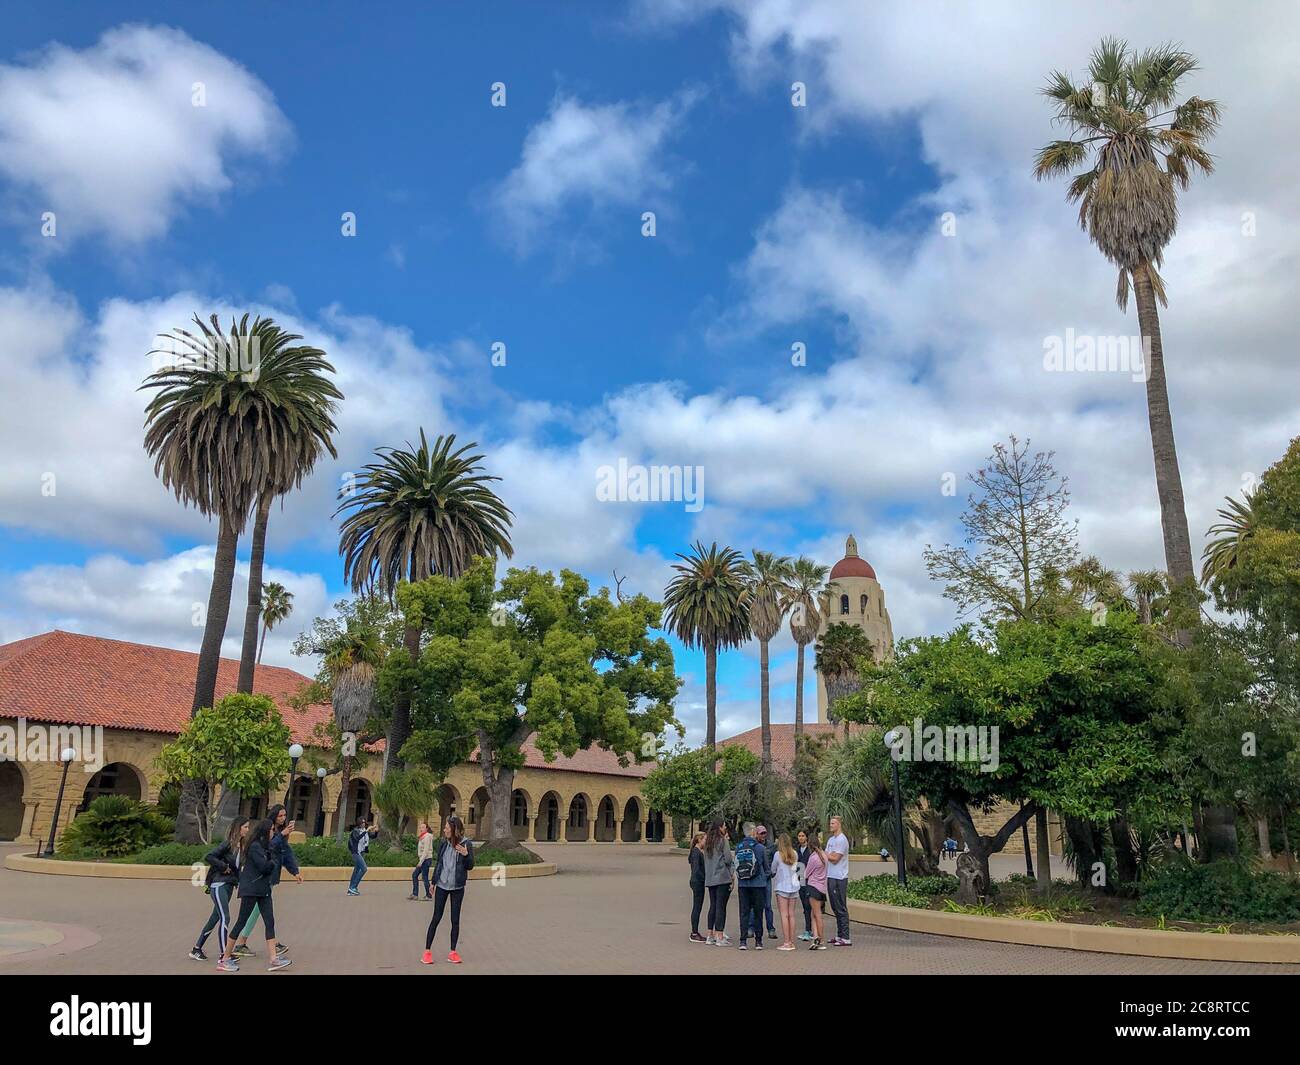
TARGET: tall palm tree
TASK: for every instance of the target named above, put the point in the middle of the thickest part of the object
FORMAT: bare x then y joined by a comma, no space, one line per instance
232,413
839,657
768,592
807,585
705,605
1139,146
277,605
1091,582
1146,587
415,513
1229,537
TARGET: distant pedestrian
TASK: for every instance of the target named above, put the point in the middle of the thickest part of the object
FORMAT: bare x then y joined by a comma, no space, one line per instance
453,861
785,882
358,843
837,880
815,881
695,856
423,859
718,868
220,883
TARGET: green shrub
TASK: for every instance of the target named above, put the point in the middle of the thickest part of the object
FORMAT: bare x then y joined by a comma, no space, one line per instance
887,891
168,854
1220,891
113,826
939,884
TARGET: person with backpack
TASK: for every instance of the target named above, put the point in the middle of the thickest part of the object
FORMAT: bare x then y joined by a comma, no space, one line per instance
695,856
256,869
814,877
358,843
423,859
718,867
785,881
454,860
220,883
752,868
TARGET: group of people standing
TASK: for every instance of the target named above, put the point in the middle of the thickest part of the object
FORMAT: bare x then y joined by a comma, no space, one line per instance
251,858
801,870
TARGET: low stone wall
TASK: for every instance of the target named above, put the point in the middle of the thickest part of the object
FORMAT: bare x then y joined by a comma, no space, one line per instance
1144,942
25,863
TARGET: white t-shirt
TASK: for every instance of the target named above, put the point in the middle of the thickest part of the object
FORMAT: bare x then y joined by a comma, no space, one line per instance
837,870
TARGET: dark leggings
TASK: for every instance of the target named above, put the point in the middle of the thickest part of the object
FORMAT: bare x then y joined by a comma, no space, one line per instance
718,896
220,916
697,904
247,903
439,901
807,910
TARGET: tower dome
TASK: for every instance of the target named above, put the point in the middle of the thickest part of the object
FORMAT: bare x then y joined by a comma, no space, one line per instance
852,565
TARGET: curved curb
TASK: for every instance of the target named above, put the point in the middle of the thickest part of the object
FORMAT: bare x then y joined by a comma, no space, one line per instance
71,938
1144,942
25,863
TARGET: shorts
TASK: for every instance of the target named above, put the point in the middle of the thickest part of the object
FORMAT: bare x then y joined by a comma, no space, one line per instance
816,895
788,894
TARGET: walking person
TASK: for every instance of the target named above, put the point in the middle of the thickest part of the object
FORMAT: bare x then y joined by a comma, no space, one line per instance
220,883
785,882
763,838
256,869
358,843
837,880
718,866
283,857
695,856
802,851
751,880
423,859
454,860
815,882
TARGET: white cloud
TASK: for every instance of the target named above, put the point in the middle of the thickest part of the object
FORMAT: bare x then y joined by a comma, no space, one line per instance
584,160
109,137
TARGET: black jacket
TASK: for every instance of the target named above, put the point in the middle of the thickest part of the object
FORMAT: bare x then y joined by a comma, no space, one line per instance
257,872
696,858
464,862
354,839
222,867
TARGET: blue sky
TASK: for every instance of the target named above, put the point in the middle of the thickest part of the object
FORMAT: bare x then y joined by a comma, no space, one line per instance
521,224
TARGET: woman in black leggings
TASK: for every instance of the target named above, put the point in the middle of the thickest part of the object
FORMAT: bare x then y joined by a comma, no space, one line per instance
256,870
223,875
451,866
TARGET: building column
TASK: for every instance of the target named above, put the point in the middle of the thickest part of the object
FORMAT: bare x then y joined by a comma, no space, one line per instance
645,831
532,830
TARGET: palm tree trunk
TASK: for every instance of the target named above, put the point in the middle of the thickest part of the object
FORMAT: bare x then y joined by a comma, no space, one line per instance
194,793
798,694
1169,484
399,731
253,612
764,704
711,697
341,818
262,646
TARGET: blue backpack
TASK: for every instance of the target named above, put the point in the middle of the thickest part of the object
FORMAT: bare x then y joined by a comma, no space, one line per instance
746,860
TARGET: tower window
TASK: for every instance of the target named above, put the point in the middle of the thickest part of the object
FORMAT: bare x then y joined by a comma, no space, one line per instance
844,604
863,605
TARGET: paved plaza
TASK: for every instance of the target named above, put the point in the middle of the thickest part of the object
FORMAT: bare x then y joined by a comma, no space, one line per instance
609,910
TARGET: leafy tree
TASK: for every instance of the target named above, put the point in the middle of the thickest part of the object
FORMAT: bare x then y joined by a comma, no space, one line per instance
404,794
843,656
241,740
539,658
692,783
1123,124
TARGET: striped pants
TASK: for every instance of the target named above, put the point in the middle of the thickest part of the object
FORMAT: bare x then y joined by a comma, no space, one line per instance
220,916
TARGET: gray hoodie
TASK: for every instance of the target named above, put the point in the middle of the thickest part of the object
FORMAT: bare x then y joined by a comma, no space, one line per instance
718,866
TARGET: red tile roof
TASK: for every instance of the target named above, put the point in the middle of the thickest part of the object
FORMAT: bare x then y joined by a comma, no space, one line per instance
783,740
73,679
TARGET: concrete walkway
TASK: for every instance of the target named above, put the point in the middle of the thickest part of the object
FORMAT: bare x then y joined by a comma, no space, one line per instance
609,910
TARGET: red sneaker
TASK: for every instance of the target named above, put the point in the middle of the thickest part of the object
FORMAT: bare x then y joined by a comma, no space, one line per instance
427,959
454,958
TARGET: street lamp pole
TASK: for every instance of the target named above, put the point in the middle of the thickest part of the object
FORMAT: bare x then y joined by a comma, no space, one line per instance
295,752
892,740
65,756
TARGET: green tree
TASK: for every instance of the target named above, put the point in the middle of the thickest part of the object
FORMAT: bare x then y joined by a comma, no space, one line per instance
705,605
1123,125
242,740
692,783
277,605
768,594
404,794
415,513
843,656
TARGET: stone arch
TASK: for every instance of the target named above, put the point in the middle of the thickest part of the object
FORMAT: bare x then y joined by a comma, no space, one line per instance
13,787
630,826
521,809
577,823
116,778
844,604
862,602
656,830
550,818
478,816
605,827
447,800
360,793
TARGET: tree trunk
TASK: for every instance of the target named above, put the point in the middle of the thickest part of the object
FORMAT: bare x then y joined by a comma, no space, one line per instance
1029,854
195,792
499,782
981,847
1220,833
1126,868
764,705
798,693
227,811
1265,847
1043,846
253,611
711,698
399,730
1086,845
341,818
1169,484
262,645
